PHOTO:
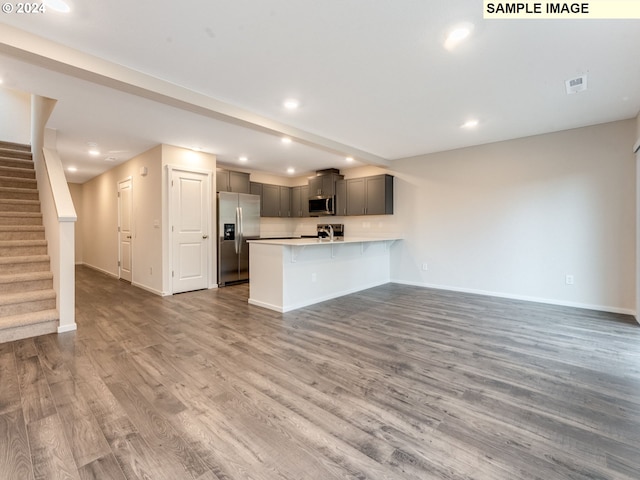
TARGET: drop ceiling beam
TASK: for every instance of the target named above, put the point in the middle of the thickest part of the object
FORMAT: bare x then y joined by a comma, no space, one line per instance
53,56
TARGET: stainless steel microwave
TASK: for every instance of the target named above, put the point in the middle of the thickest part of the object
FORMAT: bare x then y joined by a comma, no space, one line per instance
320,206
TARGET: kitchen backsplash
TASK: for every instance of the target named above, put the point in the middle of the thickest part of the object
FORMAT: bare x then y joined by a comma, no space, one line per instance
365,226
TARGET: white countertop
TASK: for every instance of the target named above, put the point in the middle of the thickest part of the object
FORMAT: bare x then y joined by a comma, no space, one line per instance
315,241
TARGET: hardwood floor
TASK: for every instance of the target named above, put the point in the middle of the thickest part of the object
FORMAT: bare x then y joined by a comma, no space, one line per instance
395,382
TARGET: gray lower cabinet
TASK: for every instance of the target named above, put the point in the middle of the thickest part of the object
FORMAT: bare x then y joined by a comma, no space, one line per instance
230,181
300,201
276,201
370,195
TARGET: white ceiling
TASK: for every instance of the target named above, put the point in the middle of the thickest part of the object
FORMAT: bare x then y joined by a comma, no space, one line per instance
370,75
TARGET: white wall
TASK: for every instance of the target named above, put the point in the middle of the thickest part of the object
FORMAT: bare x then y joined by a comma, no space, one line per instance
76,195
513,218
15,116
99,215
99,219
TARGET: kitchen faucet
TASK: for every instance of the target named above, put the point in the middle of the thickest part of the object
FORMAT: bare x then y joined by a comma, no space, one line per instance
330,231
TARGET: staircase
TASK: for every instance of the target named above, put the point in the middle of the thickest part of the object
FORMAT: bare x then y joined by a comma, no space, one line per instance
27,298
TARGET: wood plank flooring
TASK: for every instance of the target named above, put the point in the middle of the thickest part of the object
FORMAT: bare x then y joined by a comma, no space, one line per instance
393,383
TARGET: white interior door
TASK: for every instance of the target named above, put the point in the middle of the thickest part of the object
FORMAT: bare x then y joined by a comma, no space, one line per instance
190,235
125,213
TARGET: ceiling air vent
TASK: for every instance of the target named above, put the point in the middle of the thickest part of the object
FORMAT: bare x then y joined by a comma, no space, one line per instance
575,85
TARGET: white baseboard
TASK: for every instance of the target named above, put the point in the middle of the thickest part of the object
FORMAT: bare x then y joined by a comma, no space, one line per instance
98,269
295,306
601,308
67,328
138,285
149,289
258,303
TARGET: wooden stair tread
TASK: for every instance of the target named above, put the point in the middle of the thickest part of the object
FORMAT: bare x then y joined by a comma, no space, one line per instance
21,228
18,179
21,214
27,162
24,259
22,243
16,190
26,296
25,277
5,144
26,319
19,201
23,297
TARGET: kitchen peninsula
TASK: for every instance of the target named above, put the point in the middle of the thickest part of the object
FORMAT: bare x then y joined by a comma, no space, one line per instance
287,274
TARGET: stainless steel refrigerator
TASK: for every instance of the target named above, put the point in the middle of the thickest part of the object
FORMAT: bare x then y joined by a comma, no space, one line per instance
238,221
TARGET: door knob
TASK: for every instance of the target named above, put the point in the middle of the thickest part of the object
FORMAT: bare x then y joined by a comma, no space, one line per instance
129,237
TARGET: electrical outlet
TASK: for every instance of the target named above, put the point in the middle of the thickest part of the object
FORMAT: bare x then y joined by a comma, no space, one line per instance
425,267
569,279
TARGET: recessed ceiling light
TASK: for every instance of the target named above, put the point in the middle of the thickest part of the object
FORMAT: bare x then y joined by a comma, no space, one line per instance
72,169
286,140
291,170
349,159
291,104
243,159
94,151
58,6
457,35
470,124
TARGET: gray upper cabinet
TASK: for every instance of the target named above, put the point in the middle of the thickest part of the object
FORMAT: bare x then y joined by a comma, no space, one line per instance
270,200
276,201
300,201
370,195
379,195
341,197
255,188
323,185
230,181
304,198
355,196
285,201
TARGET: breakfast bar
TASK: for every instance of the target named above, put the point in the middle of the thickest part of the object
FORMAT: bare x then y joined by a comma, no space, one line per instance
287,274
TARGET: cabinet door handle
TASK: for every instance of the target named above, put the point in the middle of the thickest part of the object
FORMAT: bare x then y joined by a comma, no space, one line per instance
205,237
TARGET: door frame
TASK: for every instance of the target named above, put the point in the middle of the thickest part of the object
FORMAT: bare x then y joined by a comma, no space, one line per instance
171,216
130,180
